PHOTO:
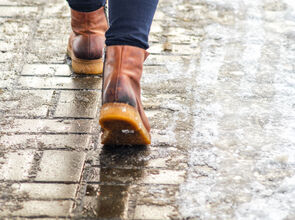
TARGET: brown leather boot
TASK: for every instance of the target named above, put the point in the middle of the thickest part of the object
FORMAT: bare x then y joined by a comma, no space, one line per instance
87,41
122,117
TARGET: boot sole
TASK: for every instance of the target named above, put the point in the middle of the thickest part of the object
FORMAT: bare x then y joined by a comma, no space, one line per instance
81,66
122,125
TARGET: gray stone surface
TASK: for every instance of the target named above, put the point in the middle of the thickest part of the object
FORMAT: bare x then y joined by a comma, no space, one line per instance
218,88
79,104
59,166
46,190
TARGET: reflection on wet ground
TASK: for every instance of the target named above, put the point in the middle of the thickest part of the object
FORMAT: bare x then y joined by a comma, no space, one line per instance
108,189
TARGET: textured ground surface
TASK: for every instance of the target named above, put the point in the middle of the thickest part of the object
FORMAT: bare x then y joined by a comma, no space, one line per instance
218,87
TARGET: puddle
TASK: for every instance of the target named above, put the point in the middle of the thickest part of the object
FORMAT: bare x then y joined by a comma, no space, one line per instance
107,196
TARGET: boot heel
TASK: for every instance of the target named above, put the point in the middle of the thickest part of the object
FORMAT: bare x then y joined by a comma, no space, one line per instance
87,66
122,125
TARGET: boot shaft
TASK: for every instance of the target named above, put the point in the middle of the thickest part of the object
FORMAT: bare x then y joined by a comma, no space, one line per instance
84,23
88,38
122,73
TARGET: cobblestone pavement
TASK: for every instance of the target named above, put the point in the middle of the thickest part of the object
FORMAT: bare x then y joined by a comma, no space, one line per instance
218,87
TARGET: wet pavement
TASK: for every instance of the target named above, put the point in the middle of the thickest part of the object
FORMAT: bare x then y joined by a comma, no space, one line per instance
218,88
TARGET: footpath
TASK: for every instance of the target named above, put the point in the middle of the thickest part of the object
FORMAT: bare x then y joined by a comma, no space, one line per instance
218,88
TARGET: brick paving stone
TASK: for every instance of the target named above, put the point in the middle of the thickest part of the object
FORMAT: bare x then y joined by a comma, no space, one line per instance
154,212
53,28
80,104
16,165
25,103
131,176
46,126
5,67
23,11
157,48
5,56
42,208
57,10
114,175
11,27
163,128
59,83
151,195
187,39
175,35
21,3
156,27
54,51
67,142
46,70
161,59
171,158
152,71
4,46
6,79
161,138
7,2
61,166
46,190
163,177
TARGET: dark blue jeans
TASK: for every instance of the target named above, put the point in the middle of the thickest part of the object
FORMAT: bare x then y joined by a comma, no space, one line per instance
130,20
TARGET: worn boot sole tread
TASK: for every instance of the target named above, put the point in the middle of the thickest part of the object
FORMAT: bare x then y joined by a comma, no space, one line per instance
122,125
86,66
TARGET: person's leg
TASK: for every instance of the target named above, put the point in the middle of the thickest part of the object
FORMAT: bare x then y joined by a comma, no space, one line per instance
86,5
87,41
130,22
122,116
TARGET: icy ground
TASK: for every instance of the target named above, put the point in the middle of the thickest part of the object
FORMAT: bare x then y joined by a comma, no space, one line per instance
219,91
